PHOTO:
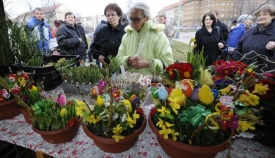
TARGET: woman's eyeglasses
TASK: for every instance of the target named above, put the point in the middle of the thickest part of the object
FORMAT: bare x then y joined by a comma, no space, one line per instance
136,20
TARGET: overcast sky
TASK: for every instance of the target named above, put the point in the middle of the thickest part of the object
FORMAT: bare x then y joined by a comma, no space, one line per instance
83,7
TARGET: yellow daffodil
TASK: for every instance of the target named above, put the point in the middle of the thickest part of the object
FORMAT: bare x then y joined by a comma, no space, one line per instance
135,117
225,91
244,99
130,121
128,104
92,119
22,81
260,89
253,100
244,126
160,123
174,104
63,112
167,124
100,100
174,134
81,109
117,130
117,137
163,111
165,132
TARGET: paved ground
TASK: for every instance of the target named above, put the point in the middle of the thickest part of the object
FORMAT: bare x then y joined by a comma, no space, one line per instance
185,37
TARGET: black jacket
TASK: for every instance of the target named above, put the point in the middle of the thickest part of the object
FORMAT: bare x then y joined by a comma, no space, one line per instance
210,43
107,41
224,29
67,38
256,40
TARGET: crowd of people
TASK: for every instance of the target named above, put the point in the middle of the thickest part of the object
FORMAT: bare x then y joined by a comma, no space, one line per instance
141,44
241,42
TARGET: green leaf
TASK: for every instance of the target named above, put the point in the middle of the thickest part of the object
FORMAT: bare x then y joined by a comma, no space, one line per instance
171,117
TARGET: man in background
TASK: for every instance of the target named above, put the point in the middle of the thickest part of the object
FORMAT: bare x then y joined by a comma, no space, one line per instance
40,30
222,25
168,31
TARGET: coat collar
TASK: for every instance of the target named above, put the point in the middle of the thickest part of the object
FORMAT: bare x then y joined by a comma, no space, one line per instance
268,30
148,25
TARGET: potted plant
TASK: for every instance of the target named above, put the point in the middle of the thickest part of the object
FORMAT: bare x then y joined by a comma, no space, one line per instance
114,122
8,105
83,77
196,119
20,85
55,119
16,46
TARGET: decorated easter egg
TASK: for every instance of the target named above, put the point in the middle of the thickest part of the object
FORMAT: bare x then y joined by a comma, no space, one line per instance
94,91
187,88
163,94
154,92
194,95
215,93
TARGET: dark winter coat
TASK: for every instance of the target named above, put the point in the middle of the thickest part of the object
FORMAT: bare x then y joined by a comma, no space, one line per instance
107,41
210,43
256,40
224,29
68,40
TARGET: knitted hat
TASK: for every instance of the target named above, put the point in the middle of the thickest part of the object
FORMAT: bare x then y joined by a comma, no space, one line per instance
243,17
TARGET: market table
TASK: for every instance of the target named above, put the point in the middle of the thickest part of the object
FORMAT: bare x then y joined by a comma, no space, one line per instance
18,132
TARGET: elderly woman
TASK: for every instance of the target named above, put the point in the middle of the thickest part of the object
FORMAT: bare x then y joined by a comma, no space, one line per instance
144,46
244,22
107,40
260,39
209,39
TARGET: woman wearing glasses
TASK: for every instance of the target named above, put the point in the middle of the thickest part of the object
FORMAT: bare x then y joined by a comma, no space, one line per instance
144,46
107,39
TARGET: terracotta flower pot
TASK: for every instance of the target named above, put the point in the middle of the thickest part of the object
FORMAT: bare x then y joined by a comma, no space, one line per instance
59,136
26,114
178,150
8,109
109,144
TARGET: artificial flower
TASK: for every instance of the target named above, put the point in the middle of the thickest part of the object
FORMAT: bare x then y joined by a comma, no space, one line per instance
93,119
165,132
173,103
174,134
117,137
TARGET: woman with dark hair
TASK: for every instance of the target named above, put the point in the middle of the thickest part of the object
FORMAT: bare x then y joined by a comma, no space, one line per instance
209,39
108,38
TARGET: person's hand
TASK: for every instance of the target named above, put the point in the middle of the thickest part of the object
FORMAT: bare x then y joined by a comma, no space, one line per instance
220,45
137,62
80,39
270,45
101,59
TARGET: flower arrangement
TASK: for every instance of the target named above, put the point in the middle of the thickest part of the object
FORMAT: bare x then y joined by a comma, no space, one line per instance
20,84
55,113
195,111
112,116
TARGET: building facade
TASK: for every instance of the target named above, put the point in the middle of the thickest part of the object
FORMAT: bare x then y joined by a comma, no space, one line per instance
192,11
